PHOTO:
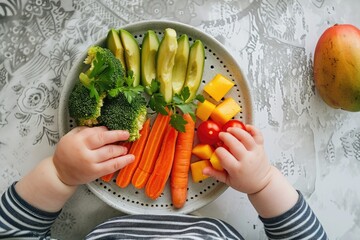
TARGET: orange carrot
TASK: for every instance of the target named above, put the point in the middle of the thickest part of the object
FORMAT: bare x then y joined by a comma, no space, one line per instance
158,178
151,151
124,177
109,176
180,170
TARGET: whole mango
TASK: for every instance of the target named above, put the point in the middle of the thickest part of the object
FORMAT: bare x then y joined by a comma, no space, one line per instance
337,67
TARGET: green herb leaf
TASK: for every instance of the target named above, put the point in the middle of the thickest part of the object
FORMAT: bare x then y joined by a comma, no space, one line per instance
129,95
158,104
186,108
185,93
132,92
177,99
113,92
178,122
153,87
200,98
130,78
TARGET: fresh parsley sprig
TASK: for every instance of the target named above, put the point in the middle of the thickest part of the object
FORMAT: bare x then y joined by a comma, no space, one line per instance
180,101
126,87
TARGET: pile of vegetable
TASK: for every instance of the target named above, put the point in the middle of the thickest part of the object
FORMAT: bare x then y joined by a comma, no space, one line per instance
216,116
125,84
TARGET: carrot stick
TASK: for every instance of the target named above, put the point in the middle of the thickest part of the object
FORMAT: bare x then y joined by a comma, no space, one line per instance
151,151
158,178
124,177
180,170
109,176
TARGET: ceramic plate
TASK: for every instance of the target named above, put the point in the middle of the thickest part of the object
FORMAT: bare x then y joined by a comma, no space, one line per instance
218,60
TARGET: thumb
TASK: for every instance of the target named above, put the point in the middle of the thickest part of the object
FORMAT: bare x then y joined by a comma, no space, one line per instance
221,176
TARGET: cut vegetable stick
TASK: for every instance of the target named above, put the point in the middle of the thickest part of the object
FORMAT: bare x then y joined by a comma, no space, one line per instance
180,170
124,177
157,180
151,151
109,176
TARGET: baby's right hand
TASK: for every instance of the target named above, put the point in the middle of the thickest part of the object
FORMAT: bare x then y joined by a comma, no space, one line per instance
246,166
85,154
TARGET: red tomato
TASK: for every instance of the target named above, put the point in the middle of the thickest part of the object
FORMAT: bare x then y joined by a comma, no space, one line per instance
222,144
208,132
233,123
224,128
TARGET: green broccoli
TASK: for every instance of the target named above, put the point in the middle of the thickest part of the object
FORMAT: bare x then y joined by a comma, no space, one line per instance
118,113
83,108
105,96
105,72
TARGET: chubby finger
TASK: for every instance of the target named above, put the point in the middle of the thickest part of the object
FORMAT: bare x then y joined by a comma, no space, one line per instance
221,176
89,131
234,145
255,133
114,164
109,151
244,137
102,138
227,160
77,129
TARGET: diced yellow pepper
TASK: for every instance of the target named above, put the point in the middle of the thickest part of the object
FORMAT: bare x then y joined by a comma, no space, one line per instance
218,87
197,168
215,162
225,111
204,110
203,151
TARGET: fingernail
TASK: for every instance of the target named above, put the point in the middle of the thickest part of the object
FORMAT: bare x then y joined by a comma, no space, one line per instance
131,157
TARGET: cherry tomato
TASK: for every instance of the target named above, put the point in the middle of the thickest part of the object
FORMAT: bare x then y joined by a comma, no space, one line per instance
222,144
208,132
224,128
233,123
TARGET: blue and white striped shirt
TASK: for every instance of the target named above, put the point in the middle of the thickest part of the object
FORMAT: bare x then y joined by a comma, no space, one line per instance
20,220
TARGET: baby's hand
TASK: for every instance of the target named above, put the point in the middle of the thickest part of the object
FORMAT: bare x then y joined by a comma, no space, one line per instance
246,165
85,154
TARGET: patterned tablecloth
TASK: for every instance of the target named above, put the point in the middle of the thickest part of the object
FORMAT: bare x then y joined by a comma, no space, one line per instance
316,147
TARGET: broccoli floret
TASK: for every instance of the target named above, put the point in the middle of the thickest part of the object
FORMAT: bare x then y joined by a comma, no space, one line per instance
105,72
118,113
83,108
104,96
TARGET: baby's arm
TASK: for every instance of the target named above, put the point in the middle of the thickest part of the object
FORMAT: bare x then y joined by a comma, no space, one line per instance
82,155
248,170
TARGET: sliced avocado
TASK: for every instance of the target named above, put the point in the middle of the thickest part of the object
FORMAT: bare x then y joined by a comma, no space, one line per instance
149,48
165,62
113,43
195,68
132,54
181,62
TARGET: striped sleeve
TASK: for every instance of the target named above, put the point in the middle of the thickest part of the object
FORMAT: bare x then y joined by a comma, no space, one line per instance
18,219
299,222
164,226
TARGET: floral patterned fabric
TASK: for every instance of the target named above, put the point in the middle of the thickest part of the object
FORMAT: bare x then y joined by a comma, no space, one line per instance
315,146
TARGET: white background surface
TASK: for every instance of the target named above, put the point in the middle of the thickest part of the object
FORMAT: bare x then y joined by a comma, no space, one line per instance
316,147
